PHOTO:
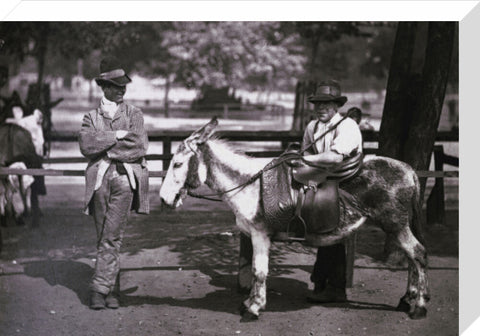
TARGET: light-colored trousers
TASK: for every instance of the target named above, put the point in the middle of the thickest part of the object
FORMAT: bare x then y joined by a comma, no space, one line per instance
111,209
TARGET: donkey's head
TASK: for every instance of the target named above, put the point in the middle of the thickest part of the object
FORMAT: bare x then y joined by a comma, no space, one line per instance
187,169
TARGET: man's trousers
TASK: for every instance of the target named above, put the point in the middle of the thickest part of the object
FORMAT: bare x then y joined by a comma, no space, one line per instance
330,267
111,209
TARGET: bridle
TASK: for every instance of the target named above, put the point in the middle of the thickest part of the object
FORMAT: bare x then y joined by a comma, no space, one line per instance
284,157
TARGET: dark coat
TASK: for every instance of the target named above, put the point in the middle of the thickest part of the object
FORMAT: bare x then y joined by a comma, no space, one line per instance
98,141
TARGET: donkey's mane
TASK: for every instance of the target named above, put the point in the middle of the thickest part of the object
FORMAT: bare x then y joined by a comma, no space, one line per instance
233,157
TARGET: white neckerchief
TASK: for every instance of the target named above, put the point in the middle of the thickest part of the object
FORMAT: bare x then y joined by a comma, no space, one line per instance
109,107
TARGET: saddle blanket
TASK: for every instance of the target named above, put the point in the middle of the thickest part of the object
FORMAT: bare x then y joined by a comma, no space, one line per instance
279,204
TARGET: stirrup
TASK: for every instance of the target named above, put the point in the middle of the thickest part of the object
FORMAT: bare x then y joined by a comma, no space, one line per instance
288,236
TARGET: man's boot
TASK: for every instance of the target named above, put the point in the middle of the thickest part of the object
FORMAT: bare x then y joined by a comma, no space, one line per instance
111,300
97,301
328,295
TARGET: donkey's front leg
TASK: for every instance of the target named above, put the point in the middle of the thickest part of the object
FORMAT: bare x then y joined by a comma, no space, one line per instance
258,294
244,278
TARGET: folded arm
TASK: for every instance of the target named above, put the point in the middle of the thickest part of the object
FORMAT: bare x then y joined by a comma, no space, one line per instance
134,144
325,157
94,143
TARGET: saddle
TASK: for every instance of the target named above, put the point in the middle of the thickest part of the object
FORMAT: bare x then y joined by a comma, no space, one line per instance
318,196
316,209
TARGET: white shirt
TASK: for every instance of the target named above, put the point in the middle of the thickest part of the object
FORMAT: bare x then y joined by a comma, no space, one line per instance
344,139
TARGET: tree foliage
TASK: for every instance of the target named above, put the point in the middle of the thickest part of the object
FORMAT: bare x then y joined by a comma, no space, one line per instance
251,55
235,54
318,34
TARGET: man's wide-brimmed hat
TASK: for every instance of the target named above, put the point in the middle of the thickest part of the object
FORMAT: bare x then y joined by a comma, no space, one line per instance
328,91
112,72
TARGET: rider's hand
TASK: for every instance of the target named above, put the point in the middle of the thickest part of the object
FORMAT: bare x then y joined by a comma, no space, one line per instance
120,134
295,163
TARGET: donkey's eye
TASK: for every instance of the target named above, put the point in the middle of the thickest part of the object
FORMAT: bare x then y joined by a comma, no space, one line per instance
177,164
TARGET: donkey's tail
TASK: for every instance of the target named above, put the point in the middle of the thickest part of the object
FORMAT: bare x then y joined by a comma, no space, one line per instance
416,222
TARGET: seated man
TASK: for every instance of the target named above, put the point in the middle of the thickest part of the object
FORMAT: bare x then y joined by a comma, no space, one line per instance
329,272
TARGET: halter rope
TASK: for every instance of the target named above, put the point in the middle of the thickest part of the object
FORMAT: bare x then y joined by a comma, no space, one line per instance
285,156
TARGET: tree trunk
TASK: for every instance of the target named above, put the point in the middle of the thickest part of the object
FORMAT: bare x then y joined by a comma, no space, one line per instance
396,112
315,44
301,111
414,101
424,124
167,90
42,42
297,109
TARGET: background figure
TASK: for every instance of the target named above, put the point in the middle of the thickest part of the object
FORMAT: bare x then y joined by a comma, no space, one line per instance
356,114
114,140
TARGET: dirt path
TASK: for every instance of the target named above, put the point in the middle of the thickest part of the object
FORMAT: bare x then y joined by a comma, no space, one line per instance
179,278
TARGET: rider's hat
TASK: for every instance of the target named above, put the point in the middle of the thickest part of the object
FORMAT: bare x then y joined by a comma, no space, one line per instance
328,91
112,72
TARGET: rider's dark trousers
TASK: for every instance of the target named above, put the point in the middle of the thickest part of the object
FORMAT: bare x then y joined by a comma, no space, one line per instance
111,209
330,267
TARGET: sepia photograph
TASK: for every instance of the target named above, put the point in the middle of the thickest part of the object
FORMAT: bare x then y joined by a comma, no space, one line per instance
229,177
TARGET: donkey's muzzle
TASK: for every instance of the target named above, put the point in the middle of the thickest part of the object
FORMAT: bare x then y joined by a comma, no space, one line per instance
165,205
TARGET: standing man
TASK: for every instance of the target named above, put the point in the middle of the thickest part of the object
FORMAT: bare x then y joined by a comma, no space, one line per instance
114,140
329,271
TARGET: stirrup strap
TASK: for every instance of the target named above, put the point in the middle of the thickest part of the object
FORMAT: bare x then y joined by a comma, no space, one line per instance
298,213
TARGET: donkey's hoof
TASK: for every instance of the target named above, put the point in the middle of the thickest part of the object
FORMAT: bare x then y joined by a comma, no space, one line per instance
242,309
403,306
248,317
418,313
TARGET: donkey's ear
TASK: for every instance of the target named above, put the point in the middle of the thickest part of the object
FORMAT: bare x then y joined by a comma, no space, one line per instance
204,133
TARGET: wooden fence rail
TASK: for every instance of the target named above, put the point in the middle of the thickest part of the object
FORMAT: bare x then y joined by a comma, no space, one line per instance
161,173
289,136
167,137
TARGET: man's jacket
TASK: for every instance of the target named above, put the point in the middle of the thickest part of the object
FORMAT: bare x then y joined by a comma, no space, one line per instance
98,142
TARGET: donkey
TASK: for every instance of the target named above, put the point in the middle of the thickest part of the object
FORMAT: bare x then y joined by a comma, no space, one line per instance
19,194
386,190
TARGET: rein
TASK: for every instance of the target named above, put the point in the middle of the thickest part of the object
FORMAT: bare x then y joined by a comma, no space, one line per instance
285,156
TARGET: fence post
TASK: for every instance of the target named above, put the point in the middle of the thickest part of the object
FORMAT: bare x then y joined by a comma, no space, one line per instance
225,111
436,200
167,149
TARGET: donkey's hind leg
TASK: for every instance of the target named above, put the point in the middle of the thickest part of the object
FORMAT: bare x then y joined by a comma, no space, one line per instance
258,294
416,297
